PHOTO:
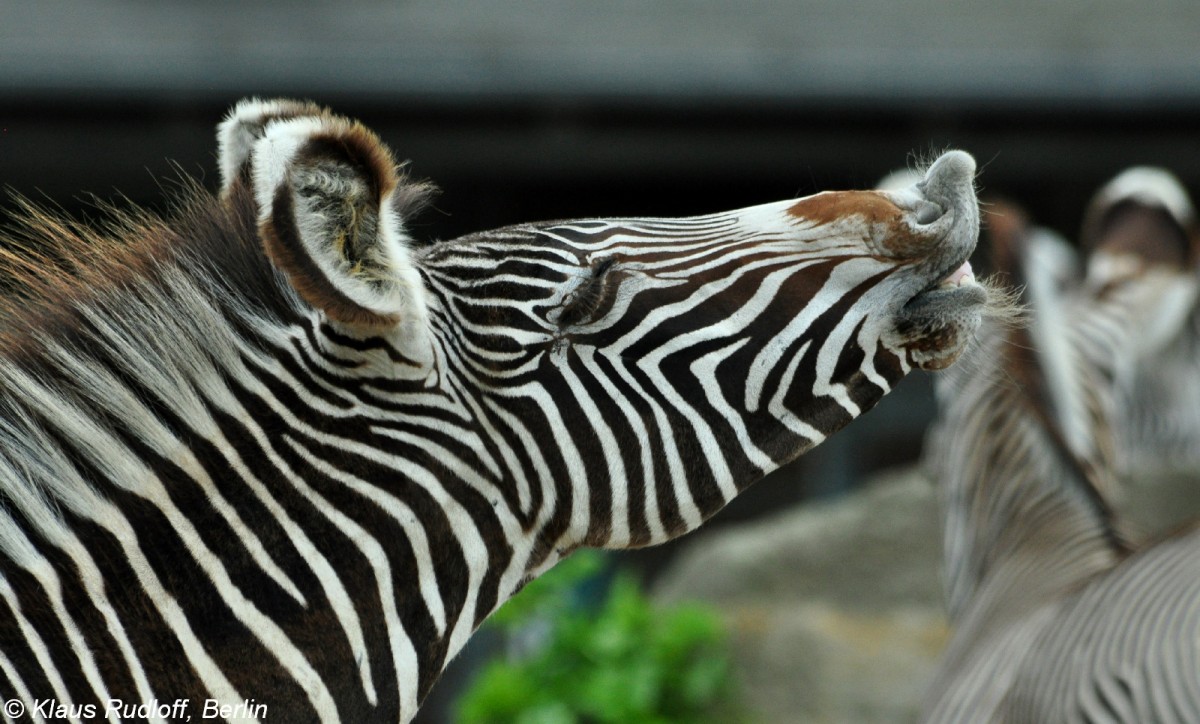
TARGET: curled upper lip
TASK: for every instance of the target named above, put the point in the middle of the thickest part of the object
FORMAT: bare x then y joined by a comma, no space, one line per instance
948,177
949,188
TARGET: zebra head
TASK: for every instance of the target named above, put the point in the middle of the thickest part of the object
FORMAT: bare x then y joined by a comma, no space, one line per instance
679,359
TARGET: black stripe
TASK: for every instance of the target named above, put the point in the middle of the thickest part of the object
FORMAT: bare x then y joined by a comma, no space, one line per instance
631,450
364,344
16,647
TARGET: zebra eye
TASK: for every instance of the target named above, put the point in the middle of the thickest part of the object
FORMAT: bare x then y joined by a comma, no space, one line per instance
593,296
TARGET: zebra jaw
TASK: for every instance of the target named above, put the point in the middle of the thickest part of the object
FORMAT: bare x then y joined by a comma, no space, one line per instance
942,319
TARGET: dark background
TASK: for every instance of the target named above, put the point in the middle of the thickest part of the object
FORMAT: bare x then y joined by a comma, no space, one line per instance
529,110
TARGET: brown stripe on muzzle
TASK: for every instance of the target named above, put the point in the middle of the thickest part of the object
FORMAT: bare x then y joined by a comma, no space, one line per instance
886,225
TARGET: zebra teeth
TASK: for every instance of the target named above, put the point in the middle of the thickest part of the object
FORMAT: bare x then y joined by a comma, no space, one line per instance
961,276
957,290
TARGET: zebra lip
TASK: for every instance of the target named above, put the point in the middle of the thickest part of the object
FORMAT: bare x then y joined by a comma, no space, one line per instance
953,289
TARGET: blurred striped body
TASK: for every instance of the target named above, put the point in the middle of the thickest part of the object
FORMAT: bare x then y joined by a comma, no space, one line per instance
1058,618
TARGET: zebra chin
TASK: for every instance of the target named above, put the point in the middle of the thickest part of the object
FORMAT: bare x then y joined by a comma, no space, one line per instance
937,325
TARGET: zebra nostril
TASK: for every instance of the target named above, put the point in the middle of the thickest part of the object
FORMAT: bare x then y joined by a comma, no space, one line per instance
928,212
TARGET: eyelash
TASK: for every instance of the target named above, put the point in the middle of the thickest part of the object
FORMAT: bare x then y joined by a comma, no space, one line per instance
588,297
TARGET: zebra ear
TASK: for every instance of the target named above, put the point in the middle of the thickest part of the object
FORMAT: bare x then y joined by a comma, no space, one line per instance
244,125
331,209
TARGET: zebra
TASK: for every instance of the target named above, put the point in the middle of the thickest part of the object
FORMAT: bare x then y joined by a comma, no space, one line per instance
1059,616
269,455
1159,419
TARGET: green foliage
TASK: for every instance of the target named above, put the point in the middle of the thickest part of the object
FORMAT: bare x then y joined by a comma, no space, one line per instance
625,662
549,595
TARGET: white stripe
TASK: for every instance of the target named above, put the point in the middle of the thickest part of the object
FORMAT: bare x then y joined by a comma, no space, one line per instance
669,450
40,652
848,274
786,416
210,674
541,469
641,438
414,531
108,392
325,573
49,580
705,369
22,692
615,475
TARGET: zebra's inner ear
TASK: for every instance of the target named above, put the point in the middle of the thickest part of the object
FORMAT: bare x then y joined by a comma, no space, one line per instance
331,209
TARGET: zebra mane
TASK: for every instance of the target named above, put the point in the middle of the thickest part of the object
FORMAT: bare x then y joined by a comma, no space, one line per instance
88,308
49,261
1089,473
52,265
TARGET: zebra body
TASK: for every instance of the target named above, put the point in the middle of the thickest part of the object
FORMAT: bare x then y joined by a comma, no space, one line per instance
1057,616
271,452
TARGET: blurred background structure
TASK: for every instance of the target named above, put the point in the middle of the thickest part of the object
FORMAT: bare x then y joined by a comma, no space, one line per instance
535,109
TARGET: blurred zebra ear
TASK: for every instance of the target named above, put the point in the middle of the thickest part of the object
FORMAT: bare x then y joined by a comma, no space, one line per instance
331,209
244,125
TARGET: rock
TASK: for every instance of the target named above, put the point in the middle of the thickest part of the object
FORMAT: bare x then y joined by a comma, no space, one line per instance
835,607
